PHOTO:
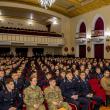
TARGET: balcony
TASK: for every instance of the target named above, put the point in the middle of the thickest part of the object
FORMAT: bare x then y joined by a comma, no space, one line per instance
97,33
30,40
10,30
80,35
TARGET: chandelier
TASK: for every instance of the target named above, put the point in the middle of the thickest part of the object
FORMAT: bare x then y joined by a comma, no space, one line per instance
46,3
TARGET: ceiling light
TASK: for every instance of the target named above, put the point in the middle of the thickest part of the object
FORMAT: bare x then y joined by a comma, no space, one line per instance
46,3
30,22
1,18
31,16
53,20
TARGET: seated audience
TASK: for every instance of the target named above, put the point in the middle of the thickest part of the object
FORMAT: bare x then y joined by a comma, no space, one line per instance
79,79
70,90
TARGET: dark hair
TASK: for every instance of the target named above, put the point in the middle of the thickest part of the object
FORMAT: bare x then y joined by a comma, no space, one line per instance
68,72
48,73
8,80
63,71
51,79
32,77
13,73
106,70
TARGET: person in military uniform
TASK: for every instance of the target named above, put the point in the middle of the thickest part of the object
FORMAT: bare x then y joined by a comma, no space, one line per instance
45,82
33,97
54,98
9,97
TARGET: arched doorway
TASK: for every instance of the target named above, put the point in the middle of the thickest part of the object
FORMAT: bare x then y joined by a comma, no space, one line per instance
99,25
82,28
98,28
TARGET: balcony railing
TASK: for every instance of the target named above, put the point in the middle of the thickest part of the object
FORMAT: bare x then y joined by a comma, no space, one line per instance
97,33
28,32
18,39
80,35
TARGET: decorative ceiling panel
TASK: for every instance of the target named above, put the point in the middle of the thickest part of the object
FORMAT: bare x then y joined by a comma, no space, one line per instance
69,8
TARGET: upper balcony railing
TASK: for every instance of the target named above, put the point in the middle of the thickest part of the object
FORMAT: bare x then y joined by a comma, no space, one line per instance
97,33
80,35
29,32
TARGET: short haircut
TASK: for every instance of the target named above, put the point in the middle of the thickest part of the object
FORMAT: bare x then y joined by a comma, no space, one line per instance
8,80
106,70
48,73
68,72
13,73
32,77
51,79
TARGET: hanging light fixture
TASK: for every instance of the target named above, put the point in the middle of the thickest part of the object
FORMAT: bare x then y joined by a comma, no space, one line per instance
46,3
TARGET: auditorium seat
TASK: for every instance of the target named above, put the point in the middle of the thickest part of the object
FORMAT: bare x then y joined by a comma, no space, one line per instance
98,90
73,106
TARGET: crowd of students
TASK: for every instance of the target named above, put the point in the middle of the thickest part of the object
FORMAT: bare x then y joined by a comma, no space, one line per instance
54,83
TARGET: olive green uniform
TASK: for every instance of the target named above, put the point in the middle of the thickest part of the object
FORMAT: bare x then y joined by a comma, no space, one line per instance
33,96
54,95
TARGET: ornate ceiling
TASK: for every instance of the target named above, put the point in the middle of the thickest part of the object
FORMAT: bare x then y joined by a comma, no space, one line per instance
70,8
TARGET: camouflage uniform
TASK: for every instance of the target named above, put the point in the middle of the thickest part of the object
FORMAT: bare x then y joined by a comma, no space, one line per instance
55,95
33,96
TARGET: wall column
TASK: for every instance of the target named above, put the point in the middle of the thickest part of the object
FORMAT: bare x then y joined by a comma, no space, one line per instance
30,52
13,51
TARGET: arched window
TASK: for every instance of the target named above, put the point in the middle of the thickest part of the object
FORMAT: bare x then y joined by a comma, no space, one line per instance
82,30
99,25
98,28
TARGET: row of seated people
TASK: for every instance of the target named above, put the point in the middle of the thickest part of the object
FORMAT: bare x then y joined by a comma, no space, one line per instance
21,29
28,32
58,78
